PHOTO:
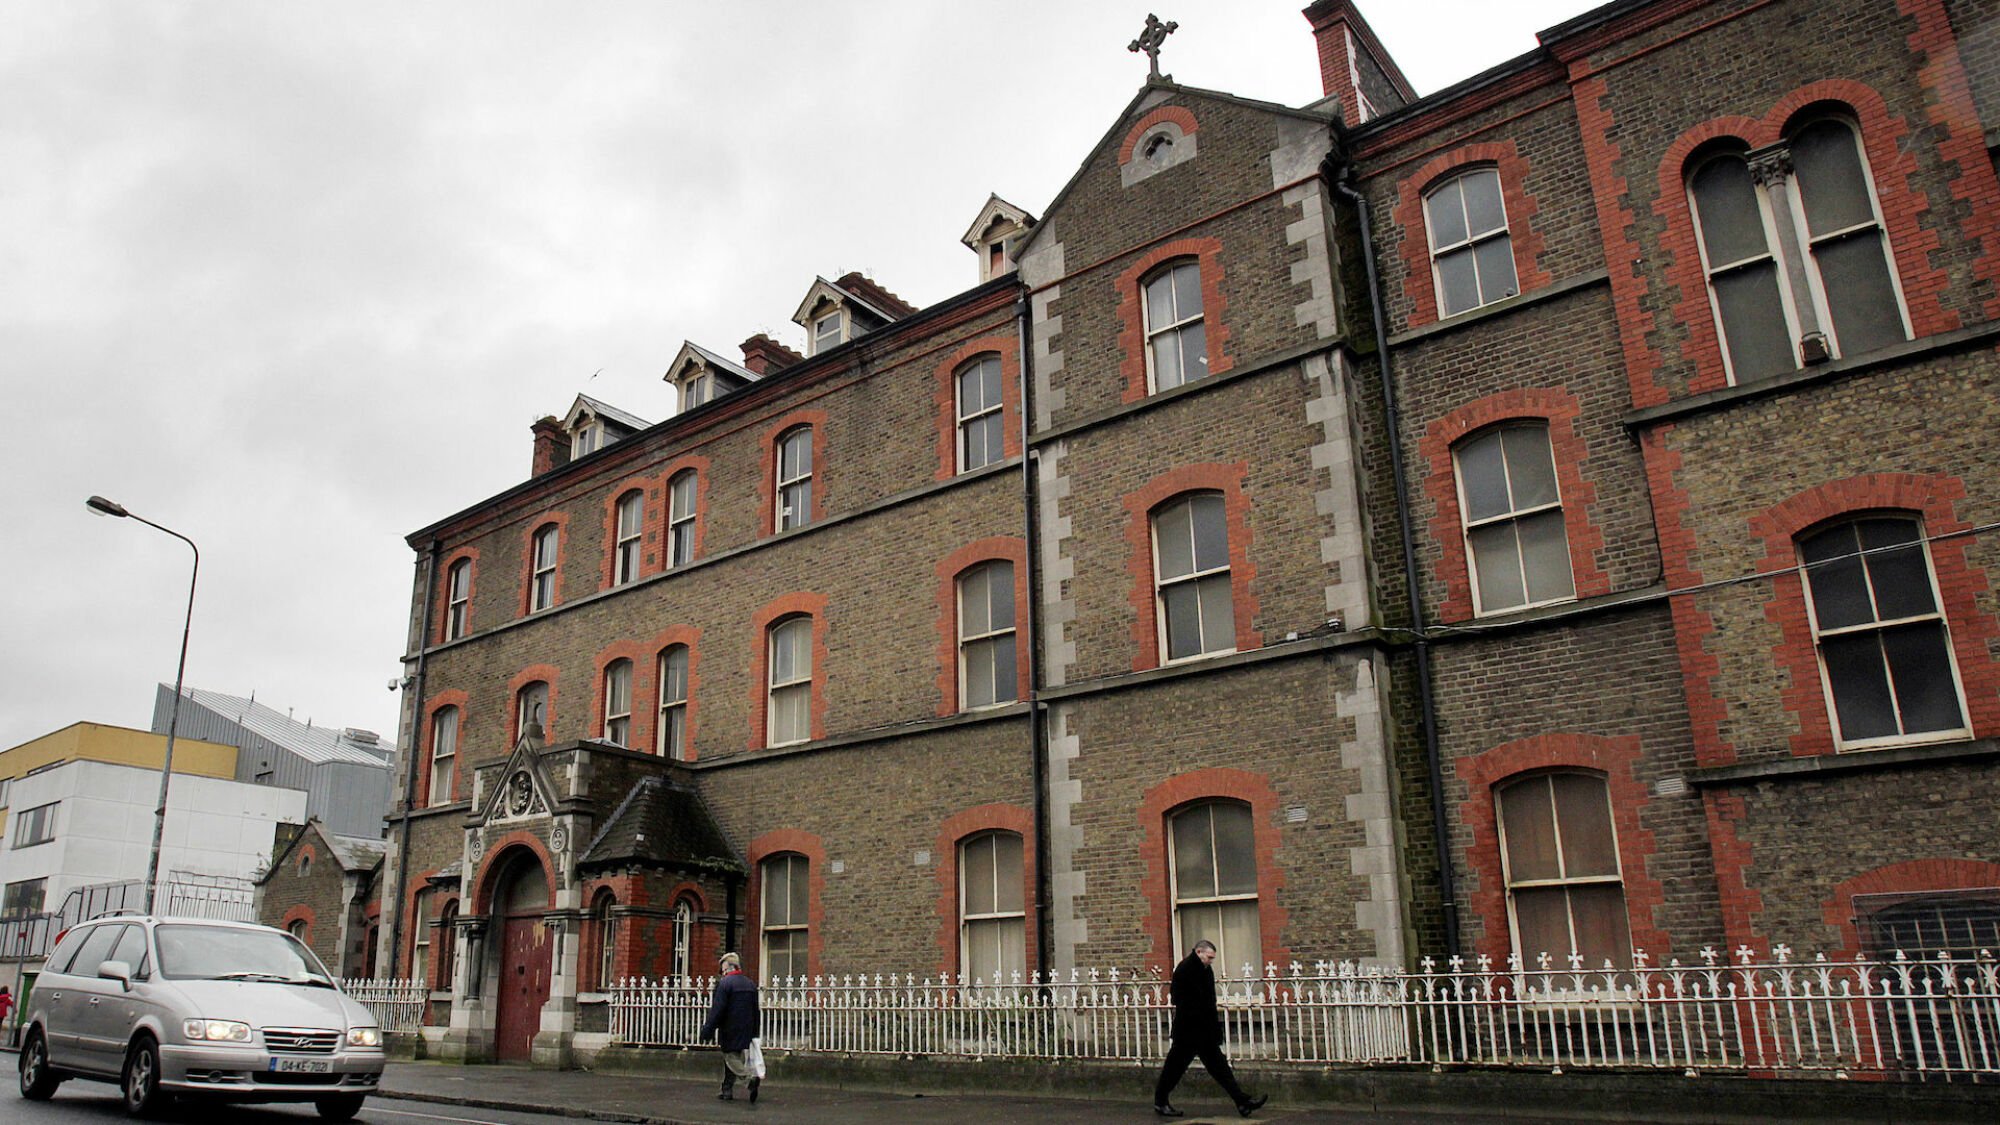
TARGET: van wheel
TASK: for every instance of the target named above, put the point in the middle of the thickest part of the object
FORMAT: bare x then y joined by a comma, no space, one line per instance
143,1096
339,1107
38,1079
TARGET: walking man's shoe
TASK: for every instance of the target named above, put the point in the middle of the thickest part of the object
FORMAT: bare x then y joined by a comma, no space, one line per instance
1165,1110
726,1096
753,1090
1246,1108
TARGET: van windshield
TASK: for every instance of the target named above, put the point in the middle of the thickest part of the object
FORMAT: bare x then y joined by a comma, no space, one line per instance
194,952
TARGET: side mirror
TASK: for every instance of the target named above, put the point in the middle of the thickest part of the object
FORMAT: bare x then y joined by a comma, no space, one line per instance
119,971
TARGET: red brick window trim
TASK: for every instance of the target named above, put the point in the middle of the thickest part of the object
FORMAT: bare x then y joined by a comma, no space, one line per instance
683,637
308,855
1560,411
638,687
1962,588
544,674
1523,232
696,526
444,946
501,857
767,483
451,627
454,701
1915,878
652,517
775,612
1184,791
1614,759
559,521
950,450
1900,207
1176,119
1147,619
299,913
598,954
1134,365
415,928
778,842
950,570
952,836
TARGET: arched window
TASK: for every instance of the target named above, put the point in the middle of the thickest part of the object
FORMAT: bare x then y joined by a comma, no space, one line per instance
992,917
790,684
1214,872
458,600
1191,576
987,672
1884,648
447,945
1745,278
683,938
1847,246
305,864
1472,256
618,702
531,710
680,519
1176,336
603,953
297,929
542,579
1515,539
444,755
795,468
785,916
631,521
1565,890
672,730
980,418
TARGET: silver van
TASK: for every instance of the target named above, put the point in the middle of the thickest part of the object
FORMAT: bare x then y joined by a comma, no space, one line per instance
191,1007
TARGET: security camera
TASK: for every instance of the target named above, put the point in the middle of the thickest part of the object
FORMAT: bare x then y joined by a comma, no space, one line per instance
394,684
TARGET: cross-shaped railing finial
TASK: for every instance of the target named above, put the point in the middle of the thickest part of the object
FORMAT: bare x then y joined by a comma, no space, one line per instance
1150,40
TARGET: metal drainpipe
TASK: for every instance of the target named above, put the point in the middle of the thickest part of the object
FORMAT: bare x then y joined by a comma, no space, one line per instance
414,694
1392,420
729,922
1037,744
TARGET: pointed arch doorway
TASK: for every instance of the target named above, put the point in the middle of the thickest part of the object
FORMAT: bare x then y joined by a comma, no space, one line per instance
520,899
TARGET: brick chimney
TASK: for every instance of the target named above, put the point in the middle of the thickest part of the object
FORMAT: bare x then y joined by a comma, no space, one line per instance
765,355
1349,51
551,445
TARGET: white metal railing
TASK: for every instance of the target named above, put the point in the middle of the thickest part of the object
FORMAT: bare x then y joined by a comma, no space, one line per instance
398,1005
1904,1017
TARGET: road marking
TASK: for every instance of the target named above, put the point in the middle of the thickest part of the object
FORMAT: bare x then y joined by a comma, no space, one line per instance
374,1111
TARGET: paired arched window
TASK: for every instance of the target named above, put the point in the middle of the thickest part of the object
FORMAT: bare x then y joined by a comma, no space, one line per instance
542,573
1472,256
981,436
789,684
1794,248
1196,613
618,702
672,729
1565,889
992,926
531,710
1516,544
625,552
794,480
1213,865
987,669
444,755
680,518
1176,337
458,600
785,916
1884,647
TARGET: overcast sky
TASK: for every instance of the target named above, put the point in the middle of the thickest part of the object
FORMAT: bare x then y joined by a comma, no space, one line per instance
293,279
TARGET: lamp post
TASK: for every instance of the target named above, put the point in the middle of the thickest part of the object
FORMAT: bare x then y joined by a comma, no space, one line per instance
100,506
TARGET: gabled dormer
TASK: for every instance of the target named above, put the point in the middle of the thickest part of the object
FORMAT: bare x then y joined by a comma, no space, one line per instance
835,312
592,425
993,233
702,376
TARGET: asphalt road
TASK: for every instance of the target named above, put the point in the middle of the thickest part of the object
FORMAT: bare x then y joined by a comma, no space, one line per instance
83,1103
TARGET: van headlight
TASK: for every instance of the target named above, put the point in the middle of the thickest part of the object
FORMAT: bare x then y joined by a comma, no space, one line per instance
226,1031
364,1037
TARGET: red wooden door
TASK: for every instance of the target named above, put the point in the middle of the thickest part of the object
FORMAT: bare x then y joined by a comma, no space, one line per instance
525,957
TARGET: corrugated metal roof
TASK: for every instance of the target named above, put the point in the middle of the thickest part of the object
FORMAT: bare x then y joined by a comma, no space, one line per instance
313,743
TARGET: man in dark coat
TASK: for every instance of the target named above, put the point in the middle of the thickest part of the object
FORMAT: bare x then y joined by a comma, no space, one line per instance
732,1022
1197,1031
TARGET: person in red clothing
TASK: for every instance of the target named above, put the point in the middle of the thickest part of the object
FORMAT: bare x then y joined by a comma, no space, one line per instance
6,1013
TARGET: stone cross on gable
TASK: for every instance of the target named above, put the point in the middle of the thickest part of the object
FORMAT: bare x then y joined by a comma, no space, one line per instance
1150,40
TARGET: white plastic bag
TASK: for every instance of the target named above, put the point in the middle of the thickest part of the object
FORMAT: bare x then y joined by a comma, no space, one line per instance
754,1058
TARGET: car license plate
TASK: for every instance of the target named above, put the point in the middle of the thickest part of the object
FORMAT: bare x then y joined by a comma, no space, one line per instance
301,1066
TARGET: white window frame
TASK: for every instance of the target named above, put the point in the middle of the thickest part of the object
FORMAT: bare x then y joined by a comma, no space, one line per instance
444,754
966,421
458,599
789,862
607,939
991,636
1225,967
1471,241
799,484
824,339
523,703
1711,270
1184,320
1162,581
967,920
680,518
671,736
37,825
1530,960
801,681
683,938
588,439
1878,626
698,390
625,559
546,548
1467,525
618,702
1807,243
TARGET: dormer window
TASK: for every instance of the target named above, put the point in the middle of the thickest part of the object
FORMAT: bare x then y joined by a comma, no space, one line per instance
999,223
700,389
588,439
701,376
841,311
828,332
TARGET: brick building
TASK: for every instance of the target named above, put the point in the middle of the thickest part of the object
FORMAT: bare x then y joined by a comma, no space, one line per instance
1104,606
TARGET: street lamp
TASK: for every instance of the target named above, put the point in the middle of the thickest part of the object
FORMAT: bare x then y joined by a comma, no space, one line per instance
100,506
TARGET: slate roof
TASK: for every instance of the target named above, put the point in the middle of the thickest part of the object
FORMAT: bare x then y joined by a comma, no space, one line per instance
355,853
662,823
314,744
607,411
